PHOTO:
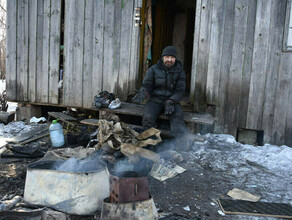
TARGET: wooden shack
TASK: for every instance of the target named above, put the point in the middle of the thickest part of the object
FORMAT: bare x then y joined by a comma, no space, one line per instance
237,55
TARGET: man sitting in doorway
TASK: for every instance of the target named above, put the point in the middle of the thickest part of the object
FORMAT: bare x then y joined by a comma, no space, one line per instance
164,85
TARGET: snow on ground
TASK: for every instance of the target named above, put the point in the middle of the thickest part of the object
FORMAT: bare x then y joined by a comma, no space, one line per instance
264,170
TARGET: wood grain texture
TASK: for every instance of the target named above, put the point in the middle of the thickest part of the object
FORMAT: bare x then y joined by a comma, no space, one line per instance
282,105
259,65
134,57
32,24
125,49
275,47
215,51
11,50
43,91
74,39
196,44
249,42
98,39
203,53
39,49
236,67
22,51
88,53
227,45
54,60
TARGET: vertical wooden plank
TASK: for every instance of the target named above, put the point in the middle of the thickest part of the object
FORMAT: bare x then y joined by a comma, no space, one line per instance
111,45
227,45
88,52
125,52
44,40
11,50
236,67
39,67
195,50
55,26
215,51
203,54
32,22
282,105
44,91
73,75
288,125
68,50
259,65
98,38
249,44
275,46
135,47
22,51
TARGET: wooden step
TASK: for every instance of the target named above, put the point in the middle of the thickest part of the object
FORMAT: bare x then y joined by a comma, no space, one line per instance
137,110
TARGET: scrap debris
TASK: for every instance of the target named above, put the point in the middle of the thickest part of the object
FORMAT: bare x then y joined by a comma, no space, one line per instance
242,195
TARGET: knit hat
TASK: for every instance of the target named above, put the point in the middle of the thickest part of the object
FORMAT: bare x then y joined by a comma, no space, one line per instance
169,51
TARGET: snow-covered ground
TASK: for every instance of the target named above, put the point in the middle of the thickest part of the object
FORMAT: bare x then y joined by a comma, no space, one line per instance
264,170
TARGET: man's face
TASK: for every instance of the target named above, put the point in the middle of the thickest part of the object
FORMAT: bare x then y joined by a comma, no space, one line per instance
168,61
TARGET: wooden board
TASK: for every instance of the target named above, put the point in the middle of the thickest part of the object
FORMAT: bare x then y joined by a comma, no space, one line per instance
54,50
134,57
203,53
275,47
74,40
22,51
32,20
137,110
236,67
88,53
241,207
259,65
125,50
195,50
97,63
215,52
61,116
225,65
249,42
39,49
282,106
43,76
11,61
110,75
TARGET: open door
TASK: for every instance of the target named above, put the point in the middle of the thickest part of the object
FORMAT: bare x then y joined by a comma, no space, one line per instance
172,23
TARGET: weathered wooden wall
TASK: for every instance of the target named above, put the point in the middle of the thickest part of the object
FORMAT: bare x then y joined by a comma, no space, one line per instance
101,49
33,42
240,67
101,44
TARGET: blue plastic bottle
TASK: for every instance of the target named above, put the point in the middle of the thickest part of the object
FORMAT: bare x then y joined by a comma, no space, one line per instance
56,134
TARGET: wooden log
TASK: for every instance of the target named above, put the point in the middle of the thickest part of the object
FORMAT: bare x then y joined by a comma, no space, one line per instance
6,117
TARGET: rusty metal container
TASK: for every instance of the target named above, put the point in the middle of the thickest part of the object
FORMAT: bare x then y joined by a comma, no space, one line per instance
133,210
79,190
127,187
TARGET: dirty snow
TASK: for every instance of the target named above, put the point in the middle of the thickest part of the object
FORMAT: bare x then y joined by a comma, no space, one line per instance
221,153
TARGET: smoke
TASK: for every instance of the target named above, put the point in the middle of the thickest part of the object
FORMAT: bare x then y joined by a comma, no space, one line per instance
89,164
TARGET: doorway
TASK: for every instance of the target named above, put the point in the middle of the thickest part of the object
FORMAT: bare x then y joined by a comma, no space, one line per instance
167,22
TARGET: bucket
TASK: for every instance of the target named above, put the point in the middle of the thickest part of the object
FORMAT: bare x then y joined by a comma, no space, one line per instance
76,190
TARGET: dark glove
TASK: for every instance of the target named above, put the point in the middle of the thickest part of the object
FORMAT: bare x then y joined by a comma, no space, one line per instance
169,107
140,97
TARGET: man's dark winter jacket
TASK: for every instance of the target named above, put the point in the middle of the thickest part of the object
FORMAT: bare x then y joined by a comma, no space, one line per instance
162,84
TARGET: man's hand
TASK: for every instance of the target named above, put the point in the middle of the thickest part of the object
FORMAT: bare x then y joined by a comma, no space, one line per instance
140,97
169,107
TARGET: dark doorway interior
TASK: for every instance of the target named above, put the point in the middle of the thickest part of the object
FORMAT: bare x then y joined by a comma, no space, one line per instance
173,24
